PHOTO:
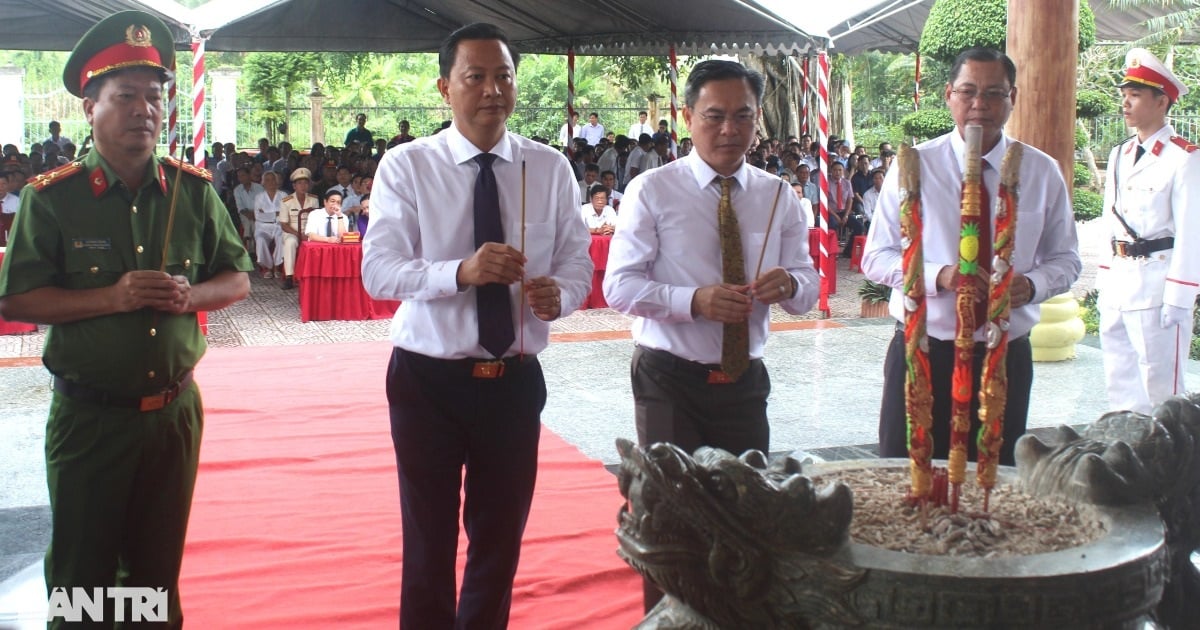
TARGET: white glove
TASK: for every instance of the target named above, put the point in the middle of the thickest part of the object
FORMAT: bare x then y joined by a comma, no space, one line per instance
1175,316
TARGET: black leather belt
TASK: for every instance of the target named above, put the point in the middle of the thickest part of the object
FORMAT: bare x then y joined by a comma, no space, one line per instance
667,361
152,402
1141,248
475,368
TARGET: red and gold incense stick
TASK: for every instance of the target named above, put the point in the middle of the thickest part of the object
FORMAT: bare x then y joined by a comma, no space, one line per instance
965,297
918,396
993,390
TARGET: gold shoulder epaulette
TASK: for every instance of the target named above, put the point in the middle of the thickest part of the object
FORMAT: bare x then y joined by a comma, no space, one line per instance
190,169
1183,143
49,178
288,198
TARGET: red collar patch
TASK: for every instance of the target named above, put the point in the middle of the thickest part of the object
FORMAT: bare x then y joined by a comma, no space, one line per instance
162,179
1158,147
98,181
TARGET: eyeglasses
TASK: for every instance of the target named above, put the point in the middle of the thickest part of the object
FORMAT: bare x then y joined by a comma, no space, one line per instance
719,120
968,95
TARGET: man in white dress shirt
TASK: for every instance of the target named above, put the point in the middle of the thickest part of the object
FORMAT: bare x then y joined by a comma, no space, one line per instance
465,389
593,131
665,267
640,127
1152,203
1045,261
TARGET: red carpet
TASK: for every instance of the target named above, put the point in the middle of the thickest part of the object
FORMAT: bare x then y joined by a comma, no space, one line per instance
296,518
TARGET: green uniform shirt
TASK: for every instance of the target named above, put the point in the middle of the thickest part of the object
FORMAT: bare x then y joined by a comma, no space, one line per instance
88,229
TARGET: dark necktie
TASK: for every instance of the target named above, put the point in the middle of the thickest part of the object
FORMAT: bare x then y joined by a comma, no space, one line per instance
1141,150
329,225
735,338
493,302
985,243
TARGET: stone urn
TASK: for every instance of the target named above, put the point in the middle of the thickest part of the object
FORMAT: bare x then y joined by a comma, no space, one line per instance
747,542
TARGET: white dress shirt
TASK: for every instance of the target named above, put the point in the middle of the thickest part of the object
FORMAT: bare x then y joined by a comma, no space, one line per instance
608,161
1046,248
319,221
592,133
637,129
593,220
266,208
870,199
667,245
422,221
10,203
244,198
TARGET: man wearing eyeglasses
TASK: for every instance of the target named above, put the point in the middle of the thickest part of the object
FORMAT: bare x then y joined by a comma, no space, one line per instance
1045,260
1148,288
684,260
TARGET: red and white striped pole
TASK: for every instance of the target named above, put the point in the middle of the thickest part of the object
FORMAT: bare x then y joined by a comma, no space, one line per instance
198,135
172,113
570,99
804,98
823,169
674,73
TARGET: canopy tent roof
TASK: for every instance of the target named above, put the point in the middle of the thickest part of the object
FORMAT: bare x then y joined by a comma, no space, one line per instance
896,25
609,27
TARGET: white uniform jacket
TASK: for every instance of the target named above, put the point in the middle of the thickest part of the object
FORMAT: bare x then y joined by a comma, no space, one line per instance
1158,197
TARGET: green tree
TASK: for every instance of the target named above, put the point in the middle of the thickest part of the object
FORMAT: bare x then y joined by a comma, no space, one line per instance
272,79
955,25
1170,28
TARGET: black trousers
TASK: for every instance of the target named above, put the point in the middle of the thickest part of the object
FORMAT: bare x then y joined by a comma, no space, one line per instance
443,421
893,426
674,402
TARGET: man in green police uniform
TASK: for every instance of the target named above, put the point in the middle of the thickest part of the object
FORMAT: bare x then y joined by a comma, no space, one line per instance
91,255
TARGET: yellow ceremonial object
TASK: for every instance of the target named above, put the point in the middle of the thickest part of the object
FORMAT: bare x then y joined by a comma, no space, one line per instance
968,247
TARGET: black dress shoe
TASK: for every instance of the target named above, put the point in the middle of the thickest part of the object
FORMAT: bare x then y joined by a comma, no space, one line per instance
288,284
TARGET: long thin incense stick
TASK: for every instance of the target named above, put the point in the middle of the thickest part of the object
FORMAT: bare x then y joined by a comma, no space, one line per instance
521,318
767,236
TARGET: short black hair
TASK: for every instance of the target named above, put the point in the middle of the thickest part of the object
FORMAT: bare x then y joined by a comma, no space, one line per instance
717,70
592,167
595,188
332,192
985,55
479,30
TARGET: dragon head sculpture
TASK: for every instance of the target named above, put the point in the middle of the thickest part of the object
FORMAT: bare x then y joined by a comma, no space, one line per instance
740,542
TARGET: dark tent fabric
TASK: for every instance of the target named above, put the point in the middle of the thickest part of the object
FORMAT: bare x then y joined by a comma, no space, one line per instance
607,27
49,25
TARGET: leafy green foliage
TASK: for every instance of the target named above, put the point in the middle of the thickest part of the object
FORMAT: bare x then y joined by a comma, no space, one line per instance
955,25
1089,313
873,292
1083,176
927,123
1081,138
1090,104
1088,205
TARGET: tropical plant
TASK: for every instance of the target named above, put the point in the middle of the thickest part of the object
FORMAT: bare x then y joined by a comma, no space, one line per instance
873,292
955,25
927,123
1088,205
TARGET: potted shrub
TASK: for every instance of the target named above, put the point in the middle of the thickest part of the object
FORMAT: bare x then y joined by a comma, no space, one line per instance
875,298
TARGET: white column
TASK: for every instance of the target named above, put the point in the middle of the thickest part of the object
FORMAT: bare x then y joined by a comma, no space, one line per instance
224,104
12,106
318,110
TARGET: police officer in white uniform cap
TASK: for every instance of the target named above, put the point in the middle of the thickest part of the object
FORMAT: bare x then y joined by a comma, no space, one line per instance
1152,204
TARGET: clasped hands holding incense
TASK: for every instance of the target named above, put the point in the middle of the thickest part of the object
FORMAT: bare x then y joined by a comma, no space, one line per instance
505,264
1020,290
731,303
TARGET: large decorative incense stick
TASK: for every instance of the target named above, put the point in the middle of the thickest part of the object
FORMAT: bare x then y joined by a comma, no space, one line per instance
965,298
918,392
993,389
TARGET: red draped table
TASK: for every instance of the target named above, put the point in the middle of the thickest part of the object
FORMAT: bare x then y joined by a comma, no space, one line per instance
14,328
599,252
330,277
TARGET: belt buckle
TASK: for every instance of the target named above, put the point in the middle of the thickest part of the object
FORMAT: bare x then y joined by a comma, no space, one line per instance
718,377
488,369
1122,248
153,402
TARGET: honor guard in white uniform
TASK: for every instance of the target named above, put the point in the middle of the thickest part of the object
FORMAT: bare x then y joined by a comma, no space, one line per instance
1152,204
